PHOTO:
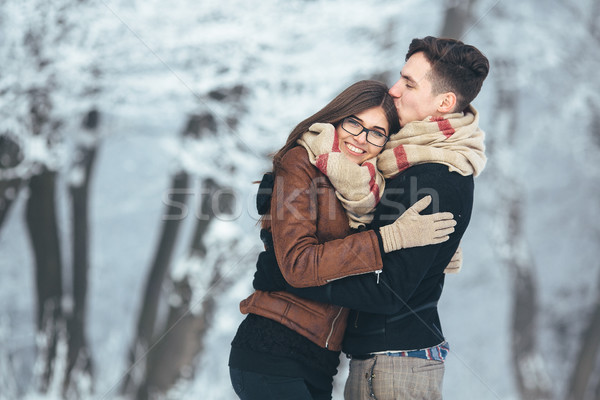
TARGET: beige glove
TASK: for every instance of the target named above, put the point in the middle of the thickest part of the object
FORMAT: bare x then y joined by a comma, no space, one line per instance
455,265
412,229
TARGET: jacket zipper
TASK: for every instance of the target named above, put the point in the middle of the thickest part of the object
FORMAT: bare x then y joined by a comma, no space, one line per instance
379,271
332,327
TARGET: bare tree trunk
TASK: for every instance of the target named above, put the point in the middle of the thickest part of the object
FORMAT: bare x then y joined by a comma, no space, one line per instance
181,341
532,380
587,359
162,259
530,375
8,193
177,349
79,362
11,155
584,382
171,222
43,232
458,15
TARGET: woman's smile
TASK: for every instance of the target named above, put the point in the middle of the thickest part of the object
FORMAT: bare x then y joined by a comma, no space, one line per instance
354,149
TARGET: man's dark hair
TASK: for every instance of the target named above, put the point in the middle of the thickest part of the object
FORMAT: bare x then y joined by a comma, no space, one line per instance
455,67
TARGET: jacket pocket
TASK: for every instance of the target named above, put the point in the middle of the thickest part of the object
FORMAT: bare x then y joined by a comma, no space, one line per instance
428,366
304,306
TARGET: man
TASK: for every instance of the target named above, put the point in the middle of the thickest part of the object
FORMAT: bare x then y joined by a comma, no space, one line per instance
394,335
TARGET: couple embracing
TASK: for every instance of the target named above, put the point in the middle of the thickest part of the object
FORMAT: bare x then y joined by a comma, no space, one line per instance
367,203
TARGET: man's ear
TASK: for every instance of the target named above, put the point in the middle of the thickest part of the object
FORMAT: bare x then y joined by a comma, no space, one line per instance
447,103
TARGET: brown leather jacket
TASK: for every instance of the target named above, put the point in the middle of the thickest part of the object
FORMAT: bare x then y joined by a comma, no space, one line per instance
313,245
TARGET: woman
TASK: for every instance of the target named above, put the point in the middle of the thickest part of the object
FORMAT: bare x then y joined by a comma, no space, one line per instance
325,190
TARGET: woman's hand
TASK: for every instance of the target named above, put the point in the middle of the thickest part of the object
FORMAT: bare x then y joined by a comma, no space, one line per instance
455,264
412,229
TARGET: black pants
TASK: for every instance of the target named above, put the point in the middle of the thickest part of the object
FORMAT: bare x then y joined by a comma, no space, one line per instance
255,386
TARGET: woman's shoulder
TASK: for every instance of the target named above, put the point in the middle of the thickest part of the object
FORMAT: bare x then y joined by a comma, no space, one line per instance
296,157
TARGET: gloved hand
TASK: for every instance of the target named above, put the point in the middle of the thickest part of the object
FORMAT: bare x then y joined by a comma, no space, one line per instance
268,276
455,265
412,229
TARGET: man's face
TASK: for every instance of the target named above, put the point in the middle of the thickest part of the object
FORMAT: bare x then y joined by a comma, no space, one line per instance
412,93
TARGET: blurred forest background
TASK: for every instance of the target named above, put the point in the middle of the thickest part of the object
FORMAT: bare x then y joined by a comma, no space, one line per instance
131,133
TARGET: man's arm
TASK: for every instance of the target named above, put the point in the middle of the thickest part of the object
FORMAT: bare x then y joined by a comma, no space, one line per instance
388,293
404,270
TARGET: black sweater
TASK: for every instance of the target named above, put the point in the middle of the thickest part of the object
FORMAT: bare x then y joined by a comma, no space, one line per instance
400,311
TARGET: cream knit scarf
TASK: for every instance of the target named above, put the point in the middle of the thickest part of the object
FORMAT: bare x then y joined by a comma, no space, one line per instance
454,140
357,187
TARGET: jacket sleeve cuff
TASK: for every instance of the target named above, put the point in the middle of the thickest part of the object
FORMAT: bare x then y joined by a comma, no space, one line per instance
379,241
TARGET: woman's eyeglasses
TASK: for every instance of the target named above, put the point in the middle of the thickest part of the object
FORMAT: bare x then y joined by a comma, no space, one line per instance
355,128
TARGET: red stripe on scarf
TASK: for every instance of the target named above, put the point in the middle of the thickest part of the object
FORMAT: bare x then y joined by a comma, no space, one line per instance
444,126
372,183
401,159
336,143
428,354
322,163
